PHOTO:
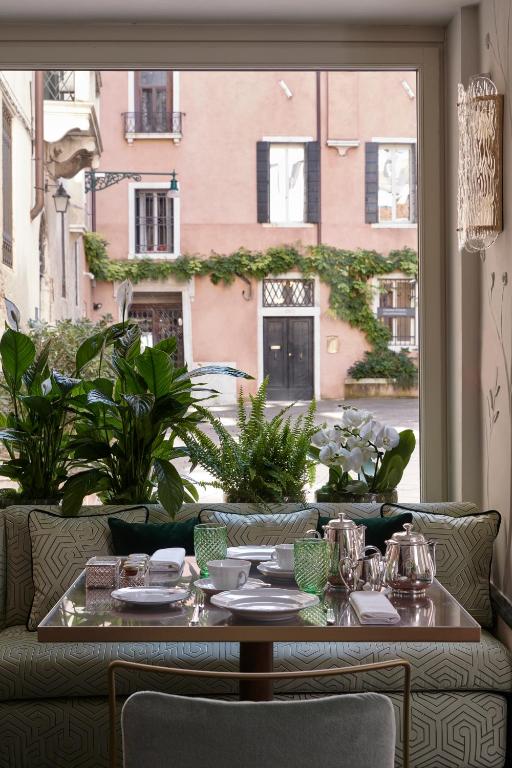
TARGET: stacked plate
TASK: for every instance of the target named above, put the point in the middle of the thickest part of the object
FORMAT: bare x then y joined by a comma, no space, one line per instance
273,571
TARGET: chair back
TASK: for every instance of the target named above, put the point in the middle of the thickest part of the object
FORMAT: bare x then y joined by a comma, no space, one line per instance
355,730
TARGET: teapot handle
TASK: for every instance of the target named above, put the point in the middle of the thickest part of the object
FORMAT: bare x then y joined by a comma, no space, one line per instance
371,547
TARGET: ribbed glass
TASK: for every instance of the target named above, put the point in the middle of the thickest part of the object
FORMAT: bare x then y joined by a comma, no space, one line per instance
210,543
312,562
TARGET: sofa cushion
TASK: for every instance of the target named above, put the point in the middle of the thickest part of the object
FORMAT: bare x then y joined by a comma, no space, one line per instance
128,538
30,669
263,528
60,548
463,554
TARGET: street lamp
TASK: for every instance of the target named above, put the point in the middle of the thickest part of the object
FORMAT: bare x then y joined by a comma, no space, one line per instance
61,201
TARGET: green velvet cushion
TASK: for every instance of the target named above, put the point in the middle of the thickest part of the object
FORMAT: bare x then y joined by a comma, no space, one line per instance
129,538
378,529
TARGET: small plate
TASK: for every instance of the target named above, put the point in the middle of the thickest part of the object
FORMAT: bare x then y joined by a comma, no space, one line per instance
254,553
265,604
150,595
272,570
206,586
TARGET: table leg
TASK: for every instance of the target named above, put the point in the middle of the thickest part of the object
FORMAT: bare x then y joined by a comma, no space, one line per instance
256,657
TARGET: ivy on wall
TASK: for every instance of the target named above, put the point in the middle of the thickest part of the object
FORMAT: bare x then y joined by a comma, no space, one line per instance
347,273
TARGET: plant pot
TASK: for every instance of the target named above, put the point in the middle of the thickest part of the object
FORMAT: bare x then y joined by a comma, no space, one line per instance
328,494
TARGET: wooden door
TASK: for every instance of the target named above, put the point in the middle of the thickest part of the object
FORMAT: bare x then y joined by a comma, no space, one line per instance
288,357
160,319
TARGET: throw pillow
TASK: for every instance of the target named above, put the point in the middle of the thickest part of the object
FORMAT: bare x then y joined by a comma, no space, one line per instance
263,528
378,529
128,538
60,548
463,555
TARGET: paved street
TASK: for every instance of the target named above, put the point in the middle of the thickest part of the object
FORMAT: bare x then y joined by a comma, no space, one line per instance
401,413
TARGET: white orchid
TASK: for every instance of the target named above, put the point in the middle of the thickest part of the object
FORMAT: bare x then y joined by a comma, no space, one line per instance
328,453
320,438
370,430
367,450
353,418
387,438
350,460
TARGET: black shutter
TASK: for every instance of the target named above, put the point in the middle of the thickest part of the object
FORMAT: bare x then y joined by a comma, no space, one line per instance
371,181
263,181
413,214
313,182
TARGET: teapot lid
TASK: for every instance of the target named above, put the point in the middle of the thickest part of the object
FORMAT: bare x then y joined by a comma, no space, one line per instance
408,536
341,522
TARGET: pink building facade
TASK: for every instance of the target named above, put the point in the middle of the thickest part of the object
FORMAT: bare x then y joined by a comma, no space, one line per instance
263,159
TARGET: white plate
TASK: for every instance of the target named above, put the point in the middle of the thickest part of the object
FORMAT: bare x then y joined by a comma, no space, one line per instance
272,570
206,586
255,553
265,604
150,595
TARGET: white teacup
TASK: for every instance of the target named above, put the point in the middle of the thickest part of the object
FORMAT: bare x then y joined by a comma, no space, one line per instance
229,573
283,555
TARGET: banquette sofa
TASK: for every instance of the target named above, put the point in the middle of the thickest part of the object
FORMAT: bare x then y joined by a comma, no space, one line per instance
53,696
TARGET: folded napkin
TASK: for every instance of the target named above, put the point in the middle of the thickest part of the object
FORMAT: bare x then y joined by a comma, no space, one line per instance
373,608
170,559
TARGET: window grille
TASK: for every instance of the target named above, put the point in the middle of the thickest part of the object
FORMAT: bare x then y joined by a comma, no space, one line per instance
397,310
154,219
288,293
59,85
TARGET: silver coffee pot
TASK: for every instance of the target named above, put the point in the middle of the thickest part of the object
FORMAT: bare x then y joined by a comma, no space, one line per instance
410,562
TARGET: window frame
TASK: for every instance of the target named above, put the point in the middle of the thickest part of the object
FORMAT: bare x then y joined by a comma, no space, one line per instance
156,187
288,221
298,47
394,277
134,106
7,187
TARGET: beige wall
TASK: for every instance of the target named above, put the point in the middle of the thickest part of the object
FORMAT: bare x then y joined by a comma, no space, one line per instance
226,113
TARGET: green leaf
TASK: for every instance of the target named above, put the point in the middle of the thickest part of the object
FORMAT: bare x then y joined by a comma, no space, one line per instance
221,370
65,383
168,345
170,486
14,436
38,366
95,396
17,352
78,486
140,405
391,471
38,404
157,369
88,350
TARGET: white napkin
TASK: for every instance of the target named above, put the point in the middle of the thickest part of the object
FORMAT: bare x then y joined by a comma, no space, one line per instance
373,608
170,559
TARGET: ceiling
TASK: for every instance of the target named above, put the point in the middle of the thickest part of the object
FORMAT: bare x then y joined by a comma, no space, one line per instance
300,11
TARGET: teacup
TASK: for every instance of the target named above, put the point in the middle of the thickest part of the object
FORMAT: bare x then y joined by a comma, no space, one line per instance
229,573
283,555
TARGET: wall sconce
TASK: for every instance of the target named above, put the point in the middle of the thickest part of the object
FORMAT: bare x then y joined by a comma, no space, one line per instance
480,188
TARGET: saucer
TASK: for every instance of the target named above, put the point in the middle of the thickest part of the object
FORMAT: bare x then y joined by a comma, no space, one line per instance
150,595
272,570
206,586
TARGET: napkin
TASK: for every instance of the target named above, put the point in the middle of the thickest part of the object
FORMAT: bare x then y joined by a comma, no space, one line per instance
373,608
170,559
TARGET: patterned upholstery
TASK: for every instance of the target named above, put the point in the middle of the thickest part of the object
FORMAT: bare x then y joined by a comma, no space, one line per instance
29,669
459,730
263,528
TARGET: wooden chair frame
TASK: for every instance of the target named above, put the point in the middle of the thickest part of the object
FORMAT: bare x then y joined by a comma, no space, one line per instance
196,673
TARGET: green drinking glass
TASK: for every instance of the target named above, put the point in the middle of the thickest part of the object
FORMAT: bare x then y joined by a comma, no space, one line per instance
311,564
210,543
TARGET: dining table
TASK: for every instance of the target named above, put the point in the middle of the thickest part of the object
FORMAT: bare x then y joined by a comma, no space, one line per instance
93,615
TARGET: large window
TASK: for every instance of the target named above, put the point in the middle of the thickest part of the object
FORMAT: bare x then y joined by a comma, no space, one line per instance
154,222
7,187
397,310
287,189
395,183
153,99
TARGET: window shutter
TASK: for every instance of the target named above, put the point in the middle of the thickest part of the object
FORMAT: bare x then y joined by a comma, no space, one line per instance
371,180
313,182
414,186
263,181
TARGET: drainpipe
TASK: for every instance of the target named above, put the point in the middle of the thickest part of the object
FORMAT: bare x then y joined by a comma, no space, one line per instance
319,139
39,143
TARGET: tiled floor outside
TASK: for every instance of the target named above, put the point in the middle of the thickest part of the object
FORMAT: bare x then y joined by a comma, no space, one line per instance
401,413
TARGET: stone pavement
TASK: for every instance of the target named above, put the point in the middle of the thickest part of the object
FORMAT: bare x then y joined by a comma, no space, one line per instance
400,413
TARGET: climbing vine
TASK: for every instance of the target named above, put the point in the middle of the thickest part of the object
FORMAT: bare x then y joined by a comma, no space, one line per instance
347,273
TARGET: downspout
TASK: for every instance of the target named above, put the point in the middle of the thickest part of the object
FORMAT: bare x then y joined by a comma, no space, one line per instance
39,144
319,139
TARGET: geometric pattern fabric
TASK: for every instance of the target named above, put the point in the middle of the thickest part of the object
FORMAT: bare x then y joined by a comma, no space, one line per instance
263,529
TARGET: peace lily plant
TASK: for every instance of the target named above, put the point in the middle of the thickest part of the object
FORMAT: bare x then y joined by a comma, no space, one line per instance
364,456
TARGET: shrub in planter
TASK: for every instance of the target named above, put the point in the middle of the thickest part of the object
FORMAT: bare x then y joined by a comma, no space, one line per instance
383,363
267,461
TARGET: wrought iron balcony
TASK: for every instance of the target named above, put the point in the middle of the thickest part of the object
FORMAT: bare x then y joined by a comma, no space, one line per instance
153,122
59,85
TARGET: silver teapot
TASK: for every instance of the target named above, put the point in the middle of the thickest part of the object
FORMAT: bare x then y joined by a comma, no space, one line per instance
347,549
410,562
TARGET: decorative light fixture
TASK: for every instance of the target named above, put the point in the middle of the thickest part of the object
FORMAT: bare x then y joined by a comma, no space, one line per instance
173,186
61,199
480,188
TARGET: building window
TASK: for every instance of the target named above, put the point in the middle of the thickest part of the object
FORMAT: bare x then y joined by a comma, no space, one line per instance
397,310
7,187
287,189
154,222
153,102
59,85
394,197
288,293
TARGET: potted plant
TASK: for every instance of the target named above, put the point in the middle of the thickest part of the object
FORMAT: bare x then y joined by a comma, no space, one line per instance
267,461
366,458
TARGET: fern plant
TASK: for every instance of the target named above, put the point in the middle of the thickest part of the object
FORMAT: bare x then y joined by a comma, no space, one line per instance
267,461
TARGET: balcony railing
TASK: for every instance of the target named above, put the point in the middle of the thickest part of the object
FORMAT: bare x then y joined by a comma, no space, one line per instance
152,122
59,85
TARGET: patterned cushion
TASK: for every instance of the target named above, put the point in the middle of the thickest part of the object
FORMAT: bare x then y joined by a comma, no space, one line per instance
456,730
30,669
60,548
463,555
16,580
263,528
